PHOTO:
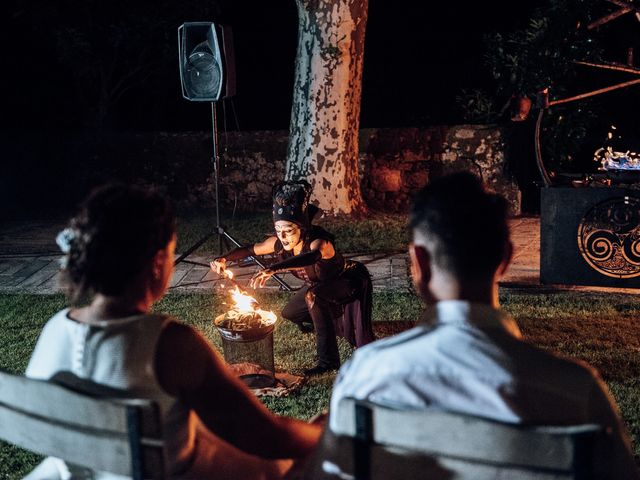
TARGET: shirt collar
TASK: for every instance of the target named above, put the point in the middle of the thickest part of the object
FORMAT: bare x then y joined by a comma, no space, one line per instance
467,313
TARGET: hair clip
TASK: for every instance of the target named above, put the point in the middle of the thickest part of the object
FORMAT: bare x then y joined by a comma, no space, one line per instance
64,239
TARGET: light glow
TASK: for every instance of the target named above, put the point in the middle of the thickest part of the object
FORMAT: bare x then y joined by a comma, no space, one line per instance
247,304
244,303
244,313
611,160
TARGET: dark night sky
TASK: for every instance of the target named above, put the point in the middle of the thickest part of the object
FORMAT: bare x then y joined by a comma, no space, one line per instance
418,55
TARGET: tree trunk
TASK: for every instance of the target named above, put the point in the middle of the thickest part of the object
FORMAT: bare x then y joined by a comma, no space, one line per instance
325,119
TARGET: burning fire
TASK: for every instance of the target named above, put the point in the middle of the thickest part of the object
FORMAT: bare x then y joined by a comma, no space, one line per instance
244,303
611,160
245,312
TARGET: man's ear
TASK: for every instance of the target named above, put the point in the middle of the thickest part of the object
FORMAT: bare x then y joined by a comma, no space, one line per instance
159,260
420,265
506,259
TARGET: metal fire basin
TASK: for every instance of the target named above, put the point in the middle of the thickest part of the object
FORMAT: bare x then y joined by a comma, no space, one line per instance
252,346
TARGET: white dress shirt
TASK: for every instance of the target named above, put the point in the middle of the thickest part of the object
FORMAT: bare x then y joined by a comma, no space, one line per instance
469,358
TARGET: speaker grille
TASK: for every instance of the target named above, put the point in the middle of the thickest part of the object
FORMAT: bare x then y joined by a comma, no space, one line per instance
201,63
203,72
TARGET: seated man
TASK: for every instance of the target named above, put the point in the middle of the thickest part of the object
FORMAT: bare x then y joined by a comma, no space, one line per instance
467,355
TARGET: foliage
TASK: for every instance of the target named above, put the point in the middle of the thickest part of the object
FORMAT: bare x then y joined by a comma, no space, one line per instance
541,55
567,134
600,328
476,106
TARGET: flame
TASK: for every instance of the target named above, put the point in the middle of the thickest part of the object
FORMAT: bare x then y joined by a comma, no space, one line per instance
244,302
611,160
267,316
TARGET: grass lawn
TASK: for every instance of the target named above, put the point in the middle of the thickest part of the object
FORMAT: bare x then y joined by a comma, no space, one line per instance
602,329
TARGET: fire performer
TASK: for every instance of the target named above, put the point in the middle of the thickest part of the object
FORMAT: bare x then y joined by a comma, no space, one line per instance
336,298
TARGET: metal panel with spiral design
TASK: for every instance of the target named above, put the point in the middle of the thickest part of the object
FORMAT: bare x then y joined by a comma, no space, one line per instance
590,236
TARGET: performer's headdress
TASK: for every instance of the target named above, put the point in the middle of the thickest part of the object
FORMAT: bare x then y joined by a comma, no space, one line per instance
291,202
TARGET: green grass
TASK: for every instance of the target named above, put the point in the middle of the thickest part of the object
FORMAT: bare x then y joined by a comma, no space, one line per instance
602,329
377,233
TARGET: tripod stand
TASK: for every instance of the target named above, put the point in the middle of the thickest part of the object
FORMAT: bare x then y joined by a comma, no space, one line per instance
223,236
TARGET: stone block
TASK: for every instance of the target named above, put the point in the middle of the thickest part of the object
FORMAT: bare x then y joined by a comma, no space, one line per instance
404,166
386,180
417,180
235,176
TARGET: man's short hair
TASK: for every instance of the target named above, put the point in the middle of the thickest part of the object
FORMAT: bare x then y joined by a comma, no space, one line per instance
463,226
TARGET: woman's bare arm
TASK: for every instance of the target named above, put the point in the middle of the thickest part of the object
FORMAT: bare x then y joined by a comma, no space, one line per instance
319,249
219,264
265,247
188,368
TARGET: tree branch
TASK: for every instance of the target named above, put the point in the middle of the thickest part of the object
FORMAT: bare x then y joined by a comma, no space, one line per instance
610,66
595,92
623,3
608,18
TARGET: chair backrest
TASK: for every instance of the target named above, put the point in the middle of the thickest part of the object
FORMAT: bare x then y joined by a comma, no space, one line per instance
375,442
116,435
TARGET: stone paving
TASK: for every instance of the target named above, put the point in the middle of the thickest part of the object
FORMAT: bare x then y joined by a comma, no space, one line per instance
35,269
388,272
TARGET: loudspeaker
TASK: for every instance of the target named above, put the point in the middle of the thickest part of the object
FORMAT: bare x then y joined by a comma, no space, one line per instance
207,68
590,236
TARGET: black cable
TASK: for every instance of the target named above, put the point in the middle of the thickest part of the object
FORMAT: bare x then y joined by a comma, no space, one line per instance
235,115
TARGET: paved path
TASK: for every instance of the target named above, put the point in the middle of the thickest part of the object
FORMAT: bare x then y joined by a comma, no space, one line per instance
33,267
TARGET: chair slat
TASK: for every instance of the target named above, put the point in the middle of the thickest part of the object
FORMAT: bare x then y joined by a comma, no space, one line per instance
98,449
44,398
102,434
463,442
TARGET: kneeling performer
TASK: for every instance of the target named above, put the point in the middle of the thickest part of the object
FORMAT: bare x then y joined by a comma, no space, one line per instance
336,297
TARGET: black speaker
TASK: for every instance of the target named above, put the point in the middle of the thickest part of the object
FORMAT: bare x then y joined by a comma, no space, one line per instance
590,236
207,69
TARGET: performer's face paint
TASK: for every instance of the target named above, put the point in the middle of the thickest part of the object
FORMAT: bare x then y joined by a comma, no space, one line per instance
288,233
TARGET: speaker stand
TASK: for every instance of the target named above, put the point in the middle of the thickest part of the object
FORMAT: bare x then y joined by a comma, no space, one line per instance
224,238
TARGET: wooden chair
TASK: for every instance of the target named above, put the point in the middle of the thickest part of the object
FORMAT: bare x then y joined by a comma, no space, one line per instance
116,435
376,442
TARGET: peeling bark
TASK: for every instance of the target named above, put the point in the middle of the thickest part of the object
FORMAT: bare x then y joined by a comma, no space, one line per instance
325,118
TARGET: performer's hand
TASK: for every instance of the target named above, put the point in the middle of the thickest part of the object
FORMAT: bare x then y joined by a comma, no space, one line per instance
219,265
260,278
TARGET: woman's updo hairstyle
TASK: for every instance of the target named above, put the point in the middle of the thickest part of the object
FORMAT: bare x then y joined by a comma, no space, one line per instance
291,202
113,238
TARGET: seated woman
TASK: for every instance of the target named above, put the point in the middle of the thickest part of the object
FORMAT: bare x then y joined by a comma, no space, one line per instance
308,251
119,256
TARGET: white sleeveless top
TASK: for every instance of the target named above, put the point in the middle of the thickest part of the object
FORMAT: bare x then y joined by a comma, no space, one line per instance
119,354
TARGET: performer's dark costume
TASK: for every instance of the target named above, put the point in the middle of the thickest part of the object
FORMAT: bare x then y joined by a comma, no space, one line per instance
336,298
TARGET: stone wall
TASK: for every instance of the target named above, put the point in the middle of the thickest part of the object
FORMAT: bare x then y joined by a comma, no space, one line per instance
395,163
398,162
